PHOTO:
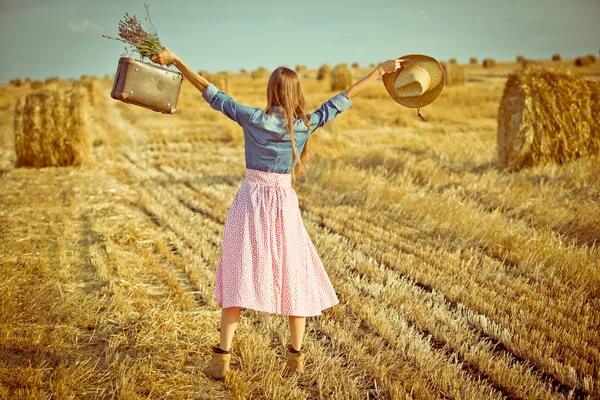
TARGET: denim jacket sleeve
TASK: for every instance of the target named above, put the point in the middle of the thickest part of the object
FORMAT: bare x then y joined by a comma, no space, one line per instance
329,110
219,101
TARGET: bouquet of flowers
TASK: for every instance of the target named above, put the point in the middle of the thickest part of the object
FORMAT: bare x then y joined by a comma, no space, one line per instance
132,33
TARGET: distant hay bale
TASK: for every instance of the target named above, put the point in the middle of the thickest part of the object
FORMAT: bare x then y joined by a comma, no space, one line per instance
372,65
520,59
341,77
300,68
323,72
51,128
489,63
53,79
258,73
452,61
547,116
16,82
556,57
243,71
355,65
454,74
27,80
473,61
585,60
35,85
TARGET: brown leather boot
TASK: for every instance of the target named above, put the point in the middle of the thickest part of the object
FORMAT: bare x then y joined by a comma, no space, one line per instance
295,360
219,366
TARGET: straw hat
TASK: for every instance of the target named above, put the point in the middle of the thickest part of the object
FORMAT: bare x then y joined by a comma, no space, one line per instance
417,83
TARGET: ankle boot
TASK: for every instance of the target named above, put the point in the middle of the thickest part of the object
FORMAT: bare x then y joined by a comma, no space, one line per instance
219,366
295,360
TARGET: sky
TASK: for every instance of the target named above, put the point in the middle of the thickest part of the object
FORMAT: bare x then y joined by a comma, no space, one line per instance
40,39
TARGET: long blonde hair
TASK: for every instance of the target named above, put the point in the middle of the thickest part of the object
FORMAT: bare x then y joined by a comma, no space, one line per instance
284,91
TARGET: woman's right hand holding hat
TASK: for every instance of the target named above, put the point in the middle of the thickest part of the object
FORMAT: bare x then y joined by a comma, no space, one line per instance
384,68
391,65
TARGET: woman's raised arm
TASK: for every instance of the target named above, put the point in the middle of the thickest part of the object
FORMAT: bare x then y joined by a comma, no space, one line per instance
383,68
168,57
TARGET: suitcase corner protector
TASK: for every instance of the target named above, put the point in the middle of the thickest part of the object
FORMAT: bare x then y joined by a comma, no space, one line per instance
130,60
172,111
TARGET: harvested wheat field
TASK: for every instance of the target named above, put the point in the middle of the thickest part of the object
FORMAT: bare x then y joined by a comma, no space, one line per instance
456,279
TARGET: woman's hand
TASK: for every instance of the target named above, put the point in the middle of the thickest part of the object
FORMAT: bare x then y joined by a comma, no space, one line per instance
391,65
384,68
167,57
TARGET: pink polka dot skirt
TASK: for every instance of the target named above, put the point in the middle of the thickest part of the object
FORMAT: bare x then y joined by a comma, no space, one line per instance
268,261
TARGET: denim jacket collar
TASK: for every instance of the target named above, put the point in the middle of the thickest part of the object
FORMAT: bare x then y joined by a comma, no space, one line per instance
276,110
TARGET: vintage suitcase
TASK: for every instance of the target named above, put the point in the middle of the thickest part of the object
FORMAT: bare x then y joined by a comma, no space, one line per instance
146,85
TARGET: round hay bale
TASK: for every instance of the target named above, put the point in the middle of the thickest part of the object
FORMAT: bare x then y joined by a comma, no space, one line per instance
341,77
323,72
258,73
243,71
16,82
372,65
556,57
355,65
52,79
300,68
452,61
473,61
592,58
546,116
583,61
489,63
51,128
520,59
35,85
454,74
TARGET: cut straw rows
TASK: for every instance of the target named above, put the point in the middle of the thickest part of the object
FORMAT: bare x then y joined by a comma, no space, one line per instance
431,312
477,297
403,198
412,307
544,206
574,343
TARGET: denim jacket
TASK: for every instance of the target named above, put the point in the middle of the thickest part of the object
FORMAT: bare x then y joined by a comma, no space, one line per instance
267,143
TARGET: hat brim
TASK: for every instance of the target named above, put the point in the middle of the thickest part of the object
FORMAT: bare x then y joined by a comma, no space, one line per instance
436,72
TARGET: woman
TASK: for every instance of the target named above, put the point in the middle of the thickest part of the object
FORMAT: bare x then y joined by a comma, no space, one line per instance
268,261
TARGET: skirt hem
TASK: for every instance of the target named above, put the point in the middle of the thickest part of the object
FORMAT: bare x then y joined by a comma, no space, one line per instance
262,312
